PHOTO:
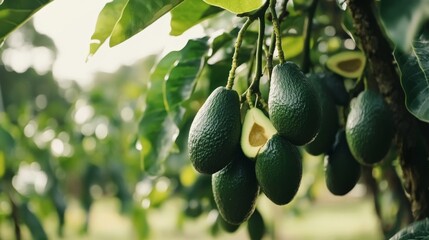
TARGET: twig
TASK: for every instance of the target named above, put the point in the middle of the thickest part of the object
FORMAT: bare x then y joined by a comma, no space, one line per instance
308,25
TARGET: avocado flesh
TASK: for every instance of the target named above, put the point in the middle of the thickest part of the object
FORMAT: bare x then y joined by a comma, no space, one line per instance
257,129
349,64
215,131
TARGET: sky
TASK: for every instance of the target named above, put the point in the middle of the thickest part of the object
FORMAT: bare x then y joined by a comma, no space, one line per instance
70,23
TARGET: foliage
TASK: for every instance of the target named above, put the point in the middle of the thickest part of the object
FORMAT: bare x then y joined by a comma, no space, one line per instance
414,69
126,136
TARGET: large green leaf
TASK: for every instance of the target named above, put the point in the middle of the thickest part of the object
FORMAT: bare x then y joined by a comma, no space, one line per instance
14,13
106,21
417,230
403,20
156,126
137,15
180,82
188,14
414,68
237,6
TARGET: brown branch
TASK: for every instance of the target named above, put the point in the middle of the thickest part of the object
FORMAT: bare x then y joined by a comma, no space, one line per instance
383,71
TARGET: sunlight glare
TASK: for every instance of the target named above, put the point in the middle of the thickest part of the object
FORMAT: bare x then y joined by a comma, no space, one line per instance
72,32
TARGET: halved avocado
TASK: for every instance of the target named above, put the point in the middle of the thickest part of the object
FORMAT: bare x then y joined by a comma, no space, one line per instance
349,64
256,131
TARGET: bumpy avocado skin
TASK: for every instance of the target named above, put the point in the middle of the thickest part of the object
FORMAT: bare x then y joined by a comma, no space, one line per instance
335,85
215,131
342,171
235,190
329,118
279,170
369,128
294,108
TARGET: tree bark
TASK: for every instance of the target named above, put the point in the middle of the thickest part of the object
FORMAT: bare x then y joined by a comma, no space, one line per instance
382,69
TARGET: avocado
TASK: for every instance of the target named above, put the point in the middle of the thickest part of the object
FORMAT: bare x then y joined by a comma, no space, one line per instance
349,64
369,128
335,85
256,226
293,104
256,131
235,190
228,227
342,171
215,131
279,170
329,119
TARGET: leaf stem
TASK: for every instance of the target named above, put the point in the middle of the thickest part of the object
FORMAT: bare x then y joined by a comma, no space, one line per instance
308,25
237,46
276,27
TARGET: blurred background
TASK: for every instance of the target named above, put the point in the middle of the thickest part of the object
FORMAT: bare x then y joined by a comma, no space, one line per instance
70,156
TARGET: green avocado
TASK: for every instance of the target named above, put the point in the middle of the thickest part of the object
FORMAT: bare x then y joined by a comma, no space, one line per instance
329,119
256,226
293,105
235,190
369,128
335,86
215,131
342,171
228,227
279,170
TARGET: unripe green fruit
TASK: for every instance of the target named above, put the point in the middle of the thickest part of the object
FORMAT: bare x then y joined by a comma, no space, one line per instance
369,128
294,108
215,132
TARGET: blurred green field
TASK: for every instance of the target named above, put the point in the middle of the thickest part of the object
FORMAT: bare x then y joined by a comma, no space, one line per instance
330,218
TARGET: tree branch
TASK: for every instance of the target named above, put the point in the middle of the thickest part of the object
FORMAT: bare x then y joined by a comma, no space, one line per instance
383,71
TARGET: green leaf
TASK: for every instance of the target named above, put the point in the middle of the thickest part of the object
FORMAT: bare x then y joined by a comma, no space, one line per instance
417,230
403,20
156,126
32,222
188,14
414,68
137,15
14,13
237,6
293,46
106,21
180,83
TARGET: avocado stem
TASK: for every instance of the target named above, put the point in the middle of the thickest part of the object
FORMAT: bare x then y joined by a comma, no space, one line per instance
254,85
237,46
276,27
308,25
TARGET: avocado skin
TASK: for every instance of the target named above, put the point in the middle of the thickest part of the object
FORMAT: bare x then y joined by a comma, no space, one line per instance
335,85
256,226
293,105
329,119
279,170
215,131
342,171
235,190
369,128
